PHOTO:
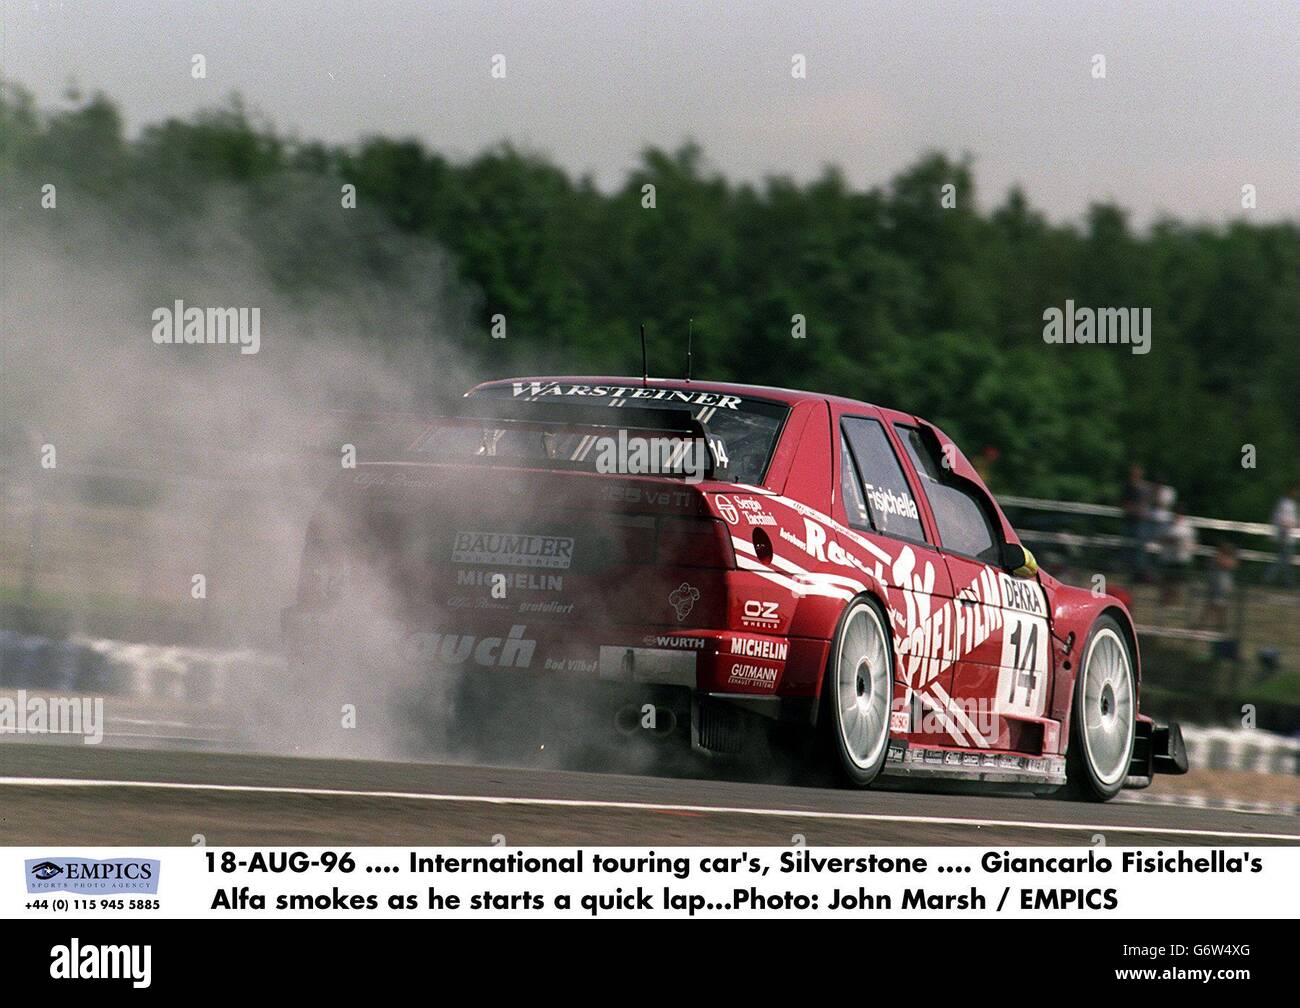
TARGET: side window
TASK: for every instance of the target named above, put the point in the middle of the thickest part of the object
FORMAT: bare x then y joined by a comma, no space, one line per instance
883,501
965,525
854,504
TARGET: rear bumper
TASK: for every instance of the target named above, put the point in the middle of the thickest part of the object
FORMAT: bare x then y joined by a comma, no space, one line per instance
736,665
712,688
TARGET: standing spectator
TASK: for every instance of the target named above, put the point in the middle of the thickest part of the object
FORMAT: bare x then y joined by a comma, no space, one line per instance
1160,514
1136,504
1222,584
1284,525
1178,548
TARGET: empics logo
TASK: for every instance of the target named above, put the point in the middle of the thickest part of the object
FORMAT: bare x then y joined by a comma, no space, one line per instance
89,877
75,961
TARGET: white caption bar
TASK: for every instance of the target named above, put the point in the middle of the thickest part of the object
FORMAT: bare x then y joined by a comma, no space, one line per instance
597,882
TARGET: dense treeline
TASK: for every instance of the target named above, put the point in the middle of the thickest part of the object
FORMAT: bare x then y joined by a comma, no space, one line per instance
931,309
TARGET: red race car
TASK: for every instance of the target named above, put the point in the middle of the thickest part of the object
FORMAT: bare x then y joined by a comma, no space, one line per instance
660,562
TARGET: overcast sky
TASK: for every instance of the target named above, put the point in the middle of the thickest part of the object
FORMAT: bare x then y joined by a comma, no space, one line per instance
1198,99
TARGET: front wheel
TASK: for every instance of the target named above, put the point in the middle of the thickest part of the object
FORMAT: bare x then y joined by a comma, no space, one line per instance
858,690
1102,719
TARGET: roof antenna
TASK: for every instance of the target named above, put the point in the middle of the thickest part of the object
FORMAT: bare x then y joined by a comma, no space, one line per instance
690,331
645,368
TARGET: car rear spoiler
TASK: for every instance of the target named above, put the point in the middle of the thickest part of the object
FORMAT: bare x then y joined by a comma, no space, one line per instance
556,417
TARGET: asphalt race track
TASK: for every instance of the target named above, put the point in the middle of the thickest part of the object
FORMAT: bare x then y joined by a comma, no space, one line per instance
83,796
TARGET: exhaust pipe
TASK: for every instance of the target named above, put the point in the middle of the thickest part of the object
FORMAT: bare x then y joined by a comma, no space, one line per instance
629,720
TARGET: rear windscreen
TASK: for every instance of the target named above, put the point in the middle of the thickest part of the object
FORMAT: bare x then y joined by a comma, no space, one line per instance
742,432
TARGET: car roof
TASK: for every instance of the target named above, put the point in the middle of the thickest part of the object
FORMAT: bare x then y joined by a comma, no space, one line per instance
782,395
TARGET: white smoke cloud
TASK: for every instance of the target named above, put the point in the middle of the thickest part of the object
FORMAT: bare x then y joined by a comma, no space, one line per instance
177,461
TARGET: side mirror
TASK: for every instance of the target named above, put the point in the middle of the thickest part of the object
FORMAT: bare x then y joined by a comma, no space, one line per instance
1018,561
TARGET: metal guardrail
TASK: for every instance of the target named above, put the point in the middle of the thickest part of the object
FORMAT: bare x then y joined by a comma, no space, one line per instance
1111,511
1115,542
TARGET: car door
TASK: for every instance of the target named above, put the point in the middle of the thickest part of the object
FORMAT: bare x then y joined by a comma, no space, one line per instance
884,527
1001,674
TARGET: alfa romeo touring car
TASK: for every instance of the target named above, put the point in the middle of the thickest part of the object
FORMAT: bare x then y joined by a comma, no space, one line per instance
701,565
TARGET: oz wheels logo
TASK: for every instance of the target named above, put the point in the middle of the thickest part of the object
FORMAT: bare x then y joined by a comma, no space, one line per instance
761,613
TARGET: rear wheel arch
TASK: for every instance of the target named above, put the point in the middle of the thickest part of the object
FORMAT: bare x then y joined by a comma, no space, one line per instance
1130,637
1103,710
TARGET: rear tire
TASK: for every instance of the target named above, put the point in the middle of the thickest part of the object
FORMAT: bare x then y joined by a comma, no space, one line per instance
1103,716
858,691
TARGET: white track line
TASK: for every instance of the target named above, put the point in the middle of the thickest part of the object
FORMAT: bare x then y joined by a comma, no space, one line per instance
72,782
